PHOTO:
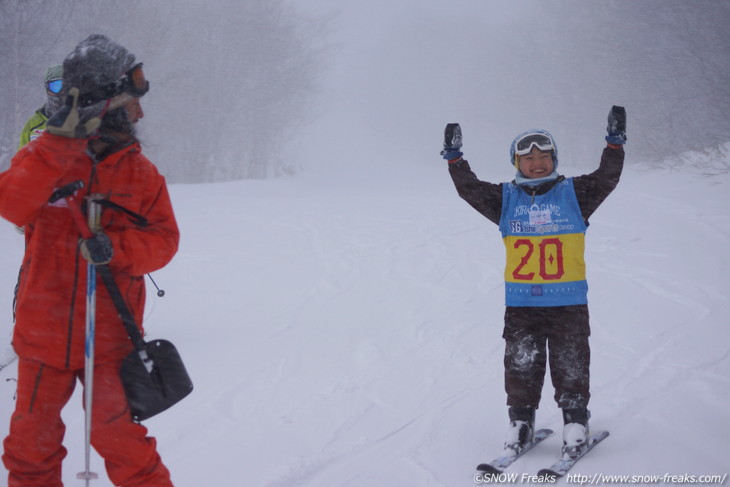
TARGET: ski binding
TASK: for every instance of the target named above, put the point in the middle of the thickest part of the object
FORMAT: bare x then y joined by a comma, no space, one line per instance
562,466
498,465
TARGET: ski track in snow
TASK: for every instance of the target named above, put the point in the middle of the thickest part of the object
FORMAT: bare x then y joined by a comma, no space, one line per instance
351,335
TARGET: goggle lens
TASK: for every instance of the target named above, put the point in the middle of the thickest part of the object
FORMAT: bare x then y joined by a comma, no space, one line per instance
541,141
139,85
55,86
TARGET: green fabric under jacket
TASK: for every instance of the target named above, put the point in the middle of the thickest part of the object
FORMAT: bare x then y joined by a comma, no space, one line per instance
33,128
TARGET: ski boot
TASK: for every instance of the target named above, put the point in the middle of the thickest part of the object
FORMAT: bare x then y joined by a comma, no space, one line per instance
521,429
576,432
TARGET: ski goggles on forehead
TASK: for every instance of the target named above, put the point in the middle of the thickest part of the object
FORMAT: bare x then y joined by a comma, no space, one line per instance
133,82
541,141
54,86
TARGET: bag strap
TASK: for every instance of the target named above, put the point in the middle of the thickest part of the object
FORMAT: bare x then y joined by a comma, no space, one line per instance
68,191
124,313
136,218
106,274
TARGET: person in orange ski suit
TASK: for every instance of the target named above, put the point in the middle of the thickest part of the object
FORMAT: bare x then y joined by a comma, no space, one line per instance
49,333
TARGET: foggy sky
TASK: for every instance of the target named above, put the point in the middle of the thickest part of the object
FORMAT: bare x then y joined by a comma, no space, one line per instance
401,70
394,72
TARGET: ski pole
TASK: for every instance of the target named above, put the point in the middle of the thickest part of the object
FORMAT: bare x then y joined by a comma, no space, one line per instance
160,292
93,225
106,275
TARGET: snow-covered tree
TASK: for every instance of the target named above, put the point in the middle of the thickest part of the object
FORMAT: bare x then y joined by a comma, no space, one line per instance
230,81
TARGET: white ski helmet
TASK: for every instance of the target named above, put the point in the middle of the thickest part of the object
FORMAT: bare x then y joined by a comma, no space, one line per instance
523,144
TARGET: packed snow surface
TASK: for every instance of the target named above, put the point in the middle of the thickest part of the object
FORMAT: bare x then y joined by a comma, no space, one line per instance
346,331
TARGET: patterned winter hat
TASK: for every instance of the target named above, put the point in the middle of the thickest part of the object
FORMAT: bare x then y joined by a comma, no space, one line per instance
53,72
96,62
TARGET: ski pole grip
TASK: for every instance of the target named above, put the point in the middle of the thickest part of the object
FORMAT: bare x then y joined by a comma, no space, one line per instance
66,191
74,206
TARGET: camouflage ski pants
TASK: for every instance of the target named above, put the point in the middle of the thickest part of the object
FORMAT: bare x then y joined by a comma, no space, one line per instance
536,336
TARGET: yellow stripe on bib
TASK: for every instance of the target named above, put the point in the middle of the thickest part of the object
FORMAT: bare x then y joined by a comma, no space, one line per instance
546,259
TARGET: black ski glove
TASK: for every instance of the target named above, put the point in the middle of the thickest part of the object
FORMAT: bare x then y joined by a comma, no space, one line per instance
452,142
71,121
616,126
98,249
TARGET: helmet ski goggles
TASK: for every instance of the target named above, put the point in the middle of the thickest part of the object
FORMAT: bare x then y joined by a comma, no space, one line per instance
541,141
133,82
54,86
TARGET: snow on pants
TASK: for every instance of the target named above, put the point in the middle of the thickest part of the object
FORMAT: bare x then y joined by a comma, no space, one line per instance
536,336
34,450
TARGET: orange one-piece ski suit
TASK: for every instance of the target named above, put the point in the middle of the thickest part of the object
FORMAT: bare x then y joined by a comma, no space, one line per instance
51,309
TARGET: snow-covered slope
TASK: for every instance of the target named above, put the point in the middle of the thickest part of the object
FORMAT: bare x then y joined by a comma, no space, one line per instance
348,333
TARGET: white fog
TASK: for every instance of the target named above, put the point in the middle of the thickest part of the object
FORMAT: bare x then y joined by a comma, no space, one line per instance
338,306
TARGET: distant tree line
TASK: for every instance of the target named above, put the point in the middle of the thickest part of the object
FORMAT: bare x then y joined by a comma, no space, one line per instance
668,56
230,81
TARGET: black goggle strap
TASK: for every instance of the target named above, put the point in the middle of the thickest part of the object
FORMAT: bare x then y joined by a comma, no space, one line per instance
133,82
100,94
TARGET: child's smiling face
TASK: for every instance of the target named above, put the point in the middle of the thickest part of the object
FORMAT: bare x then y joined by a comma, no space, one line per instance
536,164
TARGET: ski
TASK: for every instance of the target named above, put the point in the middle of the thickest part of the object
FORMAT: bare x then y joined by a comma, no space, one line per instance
498,465
562,466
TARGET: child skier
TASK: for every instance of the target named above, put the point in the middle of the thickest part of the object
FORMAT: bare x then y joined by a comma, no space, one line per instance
543,217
